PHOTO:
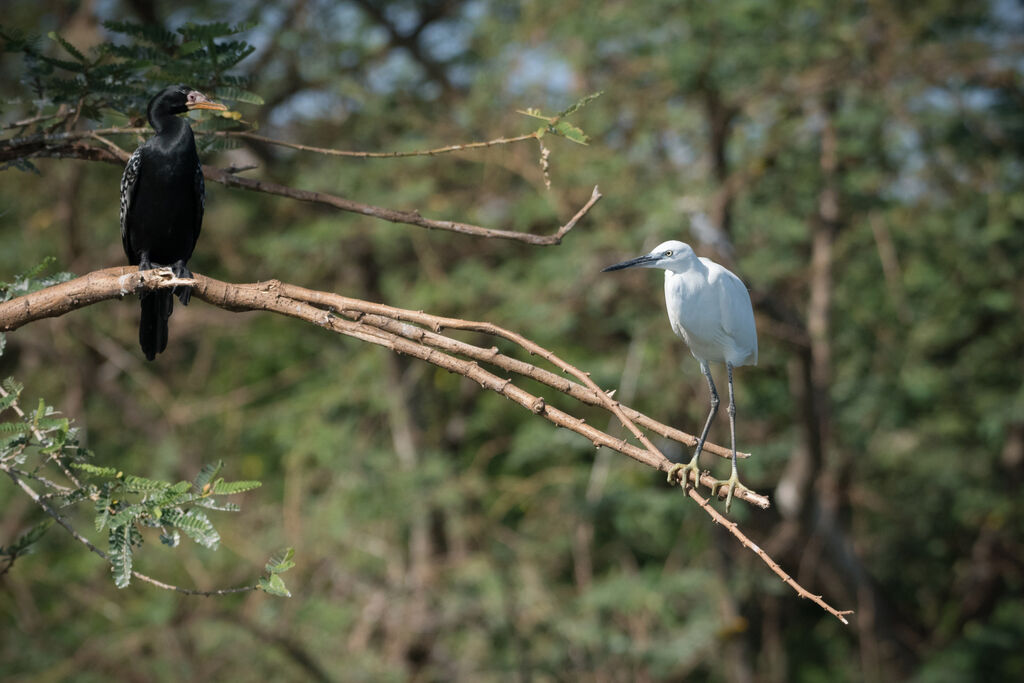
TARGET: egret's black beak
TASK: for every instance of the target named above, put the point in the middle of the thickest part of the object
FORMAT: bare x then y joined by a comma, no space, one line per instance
644,260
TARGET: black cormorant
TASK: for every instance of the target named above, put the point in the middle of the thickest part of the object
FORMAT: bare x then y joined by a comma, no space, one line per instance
162,201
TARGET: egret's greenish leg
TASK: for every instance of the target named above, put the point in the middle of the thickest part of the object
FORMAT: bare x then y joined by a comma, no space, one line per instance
680,472
734,480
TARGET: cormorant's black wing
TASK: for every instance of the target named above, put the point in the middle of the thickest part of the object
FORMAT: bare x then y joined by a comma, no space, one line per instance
200,201
129,188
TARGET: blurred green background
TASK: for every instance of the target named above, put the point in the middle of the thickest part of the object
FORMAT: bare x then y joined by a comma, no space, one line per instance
858,164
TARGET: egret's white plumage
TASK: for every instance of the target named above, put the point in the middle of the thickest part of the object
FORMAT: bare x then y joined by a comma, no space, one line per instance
710,309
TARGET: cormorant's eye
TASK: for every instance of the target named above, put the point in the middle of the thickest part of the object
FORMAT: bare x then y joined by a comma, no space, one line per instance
667,253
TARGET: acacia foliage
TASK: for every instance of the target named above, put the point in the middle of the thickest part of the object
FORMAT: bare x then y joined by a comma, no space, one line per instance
443,533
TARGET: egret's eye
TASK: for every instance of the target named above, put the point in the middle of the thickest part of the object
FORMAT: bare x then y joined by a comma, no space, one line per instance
667,253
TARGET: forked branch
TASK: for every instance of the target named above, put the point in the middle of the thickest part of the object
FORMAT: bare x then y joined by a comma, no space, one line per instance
95,145
416,334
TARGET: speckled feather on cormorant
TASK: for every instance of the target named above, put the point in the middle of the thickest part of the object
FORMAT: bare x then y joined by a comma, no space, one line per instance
162,201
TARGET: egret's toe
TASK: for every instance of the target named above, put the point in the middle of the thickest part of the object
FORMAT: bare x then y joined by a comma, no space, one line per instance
734,483
679,474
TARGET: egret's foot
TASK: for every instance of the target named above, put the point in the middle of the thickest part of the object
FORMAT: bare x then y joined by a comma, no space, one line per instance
680,474
182,272
734,483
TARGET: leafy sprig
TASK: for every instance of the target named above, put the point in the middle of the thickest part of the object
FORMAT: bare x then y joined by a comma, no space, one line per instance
125,503
35,441
119,75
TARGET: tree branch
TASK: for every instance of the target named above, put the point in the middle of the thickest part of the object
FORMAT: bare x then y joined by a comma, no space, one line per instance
390,327
70,145
327,151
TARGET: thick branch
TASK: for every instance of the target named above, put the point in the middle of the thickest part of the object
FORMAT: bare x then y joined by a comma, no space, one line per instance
385,316
376,324
299,302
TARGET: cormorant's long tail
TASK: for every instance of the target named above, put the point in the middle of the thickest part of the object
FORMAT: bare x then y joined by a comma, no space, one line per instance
156,310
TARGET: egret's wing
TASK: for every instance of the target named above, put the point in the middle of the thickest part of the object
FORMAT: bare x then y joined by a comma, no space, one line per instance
737,314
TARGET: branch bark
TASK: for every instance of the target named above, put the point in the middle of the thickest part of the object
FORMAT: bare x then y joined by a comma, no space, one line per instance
71,146
390,327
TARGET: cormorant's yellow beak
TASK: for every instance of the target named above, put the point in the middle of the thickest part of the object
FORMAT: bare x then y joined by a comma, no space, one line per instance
197,100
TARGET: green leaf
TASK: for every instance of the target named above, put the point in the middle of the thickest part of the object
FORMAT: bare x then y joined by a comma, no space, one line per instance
207,474
281,561
196,525
274,585
127,515
102,510
148,32
71,49
7,401
226,488
13,386
570,132
205,32
24,544
534,113
49,423
580,103
134,484
238,95
94,470
188,47
121,554
213,504
74,67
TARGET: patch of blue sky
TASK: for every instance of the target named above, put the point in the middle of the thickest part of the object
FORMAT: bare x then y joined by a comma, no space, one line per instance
311,105
530,69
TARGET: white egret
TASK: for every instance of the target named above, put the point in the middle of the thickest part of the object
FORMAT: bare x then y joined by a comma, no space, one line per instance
709,308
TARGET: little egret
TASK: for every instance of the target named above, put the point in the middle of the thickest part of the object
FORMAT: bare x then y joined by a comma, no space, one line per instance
709,308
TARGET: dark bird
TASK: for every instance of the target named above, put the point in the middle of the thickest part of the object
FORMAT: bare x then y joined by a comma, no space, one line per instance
162,202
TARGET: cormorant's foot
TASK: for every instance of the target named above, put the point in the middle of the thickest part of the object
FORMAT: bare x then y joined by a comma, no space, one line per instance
144,263
182,272
734,483
679,474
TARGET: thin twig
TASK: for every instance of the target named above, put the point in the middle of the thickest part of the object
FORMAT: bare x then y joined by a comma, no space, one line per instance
372,155
36,119
394,215
42,441
734,529
58,489
69,147
89,544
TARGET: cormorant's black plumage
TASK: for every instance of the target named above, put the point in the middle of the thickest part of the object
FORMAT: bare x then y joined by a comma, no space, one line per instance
162,201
